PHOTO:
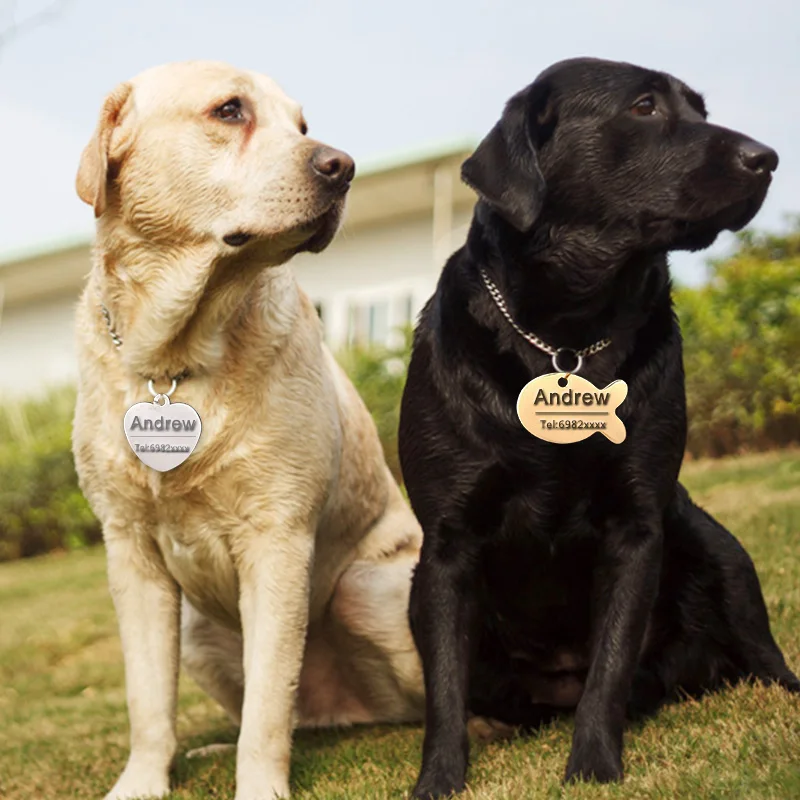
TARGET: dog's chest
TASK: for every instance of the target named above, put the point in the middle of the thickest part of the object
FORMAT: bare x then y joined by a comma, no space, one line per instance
197,555
538,565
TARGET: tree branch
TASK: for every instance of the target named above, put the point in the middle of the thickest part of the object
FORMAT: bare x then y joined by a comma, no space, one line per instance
44,15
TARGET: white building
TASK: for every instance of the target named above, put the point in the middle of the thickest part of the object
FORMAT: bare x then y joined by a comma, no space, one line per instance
406,214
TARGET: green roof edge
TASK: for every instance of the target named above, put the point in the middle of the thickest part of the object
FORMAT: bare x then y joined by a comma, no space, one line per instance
432,151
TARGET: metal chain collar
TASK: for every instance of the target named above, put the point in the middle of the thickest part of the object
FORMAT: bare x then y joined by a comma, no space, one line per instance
115,337
111,332
533,339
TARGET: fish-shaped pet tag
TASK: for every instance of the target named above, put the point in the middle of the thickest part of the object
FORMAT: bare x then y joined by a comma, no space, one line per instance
563,408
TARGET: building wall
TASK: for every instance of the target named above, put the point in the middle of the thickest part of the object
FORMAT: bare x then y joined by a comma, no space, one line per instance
377,278
37,345
367,283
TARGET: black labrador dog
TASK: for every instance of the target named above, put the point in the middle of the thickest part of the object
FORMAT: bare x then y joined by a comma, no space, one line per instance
579,575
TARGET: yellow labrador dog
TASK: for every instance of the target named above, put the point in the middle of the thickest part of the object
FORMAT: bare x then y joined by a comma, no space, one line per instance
283,532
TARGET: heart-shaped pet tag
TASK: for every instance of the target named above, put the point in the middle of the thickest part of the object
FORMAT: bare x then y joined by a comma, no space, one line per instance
162,436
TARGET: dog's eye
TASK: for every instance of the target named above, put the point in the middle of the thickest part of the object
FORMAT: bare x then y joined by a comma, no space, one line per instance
644,106
230,111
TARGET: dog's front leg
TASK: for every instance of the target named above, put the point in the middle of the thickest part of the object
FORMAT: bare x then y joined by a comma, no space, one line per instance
626,583
274,577
147,602
443,613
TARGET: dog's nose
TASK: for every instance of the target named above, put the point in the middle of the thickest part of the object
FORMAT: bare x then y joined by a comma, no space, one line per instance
757,157
333,165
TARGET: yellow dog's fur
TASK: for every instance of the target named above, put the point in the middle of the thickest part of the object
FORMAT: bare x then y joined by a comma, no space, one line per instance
284,531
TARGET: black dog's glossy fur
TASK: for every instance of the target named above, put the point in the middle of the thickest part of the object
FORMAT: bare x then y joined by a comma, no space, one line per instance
577,575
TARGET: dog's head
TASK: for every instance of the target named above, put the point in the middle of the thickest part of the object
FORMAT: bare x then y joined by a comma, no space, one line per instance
614,146
199,151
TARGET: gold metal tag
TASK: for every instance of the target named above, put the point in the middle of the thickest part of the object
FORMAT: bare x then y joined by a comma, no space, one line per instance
564,408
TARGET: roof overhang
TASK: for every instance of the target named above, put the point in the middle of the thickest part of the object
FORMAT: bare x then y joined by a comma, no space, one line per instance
404,186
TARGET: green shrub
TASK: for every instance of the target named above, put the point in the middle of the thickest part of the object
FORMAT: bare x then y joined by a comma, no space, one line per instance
379,375
742,348
41,506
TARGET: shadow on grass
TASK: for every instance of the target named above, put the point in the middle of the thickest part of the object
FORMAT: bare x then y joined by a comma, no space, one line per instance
345,754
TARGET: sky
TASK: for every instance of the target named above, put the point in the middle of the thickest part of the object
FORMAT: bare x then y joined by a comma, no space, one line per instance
376,78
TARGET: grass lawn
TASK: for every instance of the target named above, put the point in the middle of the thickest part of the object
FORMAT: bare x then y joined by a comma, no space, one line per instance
63,725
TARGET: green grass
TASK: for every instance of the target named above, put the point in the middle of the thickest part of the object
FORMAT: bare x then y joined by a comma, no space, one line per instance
63,725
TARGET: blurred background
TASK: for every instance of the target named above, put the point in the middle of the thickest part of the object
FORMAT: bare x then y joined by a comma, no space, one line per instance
408,90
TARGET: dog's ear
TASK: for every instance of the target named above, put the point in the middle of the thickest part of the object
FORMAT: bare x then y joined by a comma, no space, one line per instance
93,172
504,169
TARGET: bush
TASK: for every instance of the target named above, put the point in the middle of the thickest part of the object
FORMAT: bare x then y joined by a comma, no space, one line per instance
379,375
41,506
742,348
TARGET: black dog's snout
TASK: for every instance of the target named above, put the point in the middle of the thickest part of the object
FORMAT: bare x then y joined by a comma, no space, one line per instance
757,157
334,166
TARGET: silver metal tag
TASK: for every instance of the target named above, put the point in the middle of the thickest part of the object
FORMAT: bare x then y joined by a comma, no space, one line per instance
162,436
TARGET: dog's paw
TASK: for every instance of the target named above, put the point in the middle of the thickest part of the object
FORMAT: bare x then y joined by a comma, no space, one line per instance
138,785
432,785
274,792
486,730
267,789
269,793
594,758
